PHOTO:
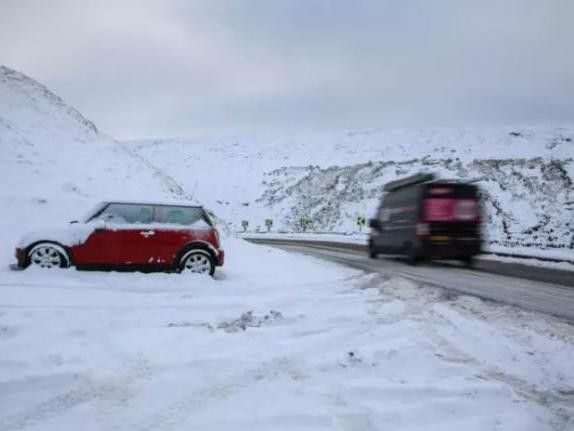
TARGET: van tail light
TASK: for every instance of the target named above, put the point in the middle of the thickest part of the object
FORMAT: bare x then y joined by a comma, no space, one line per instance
423,229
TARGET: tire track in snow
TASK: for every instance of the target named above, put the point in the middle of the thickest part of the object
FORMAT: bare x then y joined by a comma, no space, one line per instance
179,411
418,308
115,389
347,419
560,403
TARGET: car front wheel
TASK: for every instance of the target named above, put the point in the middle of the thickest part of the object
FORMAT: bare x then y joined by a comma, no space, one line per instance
198,262
47,255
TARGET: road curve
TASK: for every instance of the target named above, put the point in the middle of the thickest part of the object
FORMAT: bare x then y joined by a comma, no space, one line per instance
545,290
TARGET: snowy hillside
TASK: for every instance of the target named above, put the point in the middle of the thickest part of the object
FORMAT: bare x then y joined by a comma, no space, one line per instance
526,174
55,164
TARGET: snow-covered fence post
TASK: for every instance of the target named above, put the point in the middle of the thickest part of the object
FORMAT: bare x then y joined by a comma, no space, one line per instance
269,224
245,225
361,221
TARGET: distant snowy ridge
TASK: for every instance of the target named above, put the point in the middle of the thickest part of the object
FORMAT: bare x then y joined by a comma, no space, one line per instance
528,202
27,93
526,174
50,150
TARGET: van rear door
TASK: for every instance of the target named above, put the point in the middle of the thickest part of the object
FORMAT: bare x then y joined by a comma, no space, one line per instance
451,203
452,212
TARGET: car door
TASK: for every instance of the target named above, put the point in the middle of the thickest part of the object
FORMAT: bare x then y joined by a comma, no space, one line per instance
127,238
99,248
177,227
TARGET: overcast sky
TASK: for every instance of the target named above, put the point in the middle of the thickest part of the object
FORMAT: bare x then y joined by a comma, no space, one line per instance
177,68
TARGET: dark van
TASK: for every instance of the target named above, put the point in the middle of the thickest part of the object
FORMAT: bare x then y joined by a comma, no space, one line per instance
422,217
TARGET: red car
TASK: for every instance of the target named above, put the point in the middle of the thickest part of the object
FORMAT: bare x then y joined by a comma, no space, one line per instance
129,235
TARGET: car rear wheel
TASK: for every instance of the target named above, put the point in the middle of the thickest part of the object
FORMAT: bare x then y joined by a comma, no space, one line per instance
198,262
47,255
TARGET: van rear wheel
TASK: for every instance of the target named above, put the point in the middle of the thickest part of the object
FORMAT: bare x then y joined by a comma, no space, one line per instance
413,257
372,253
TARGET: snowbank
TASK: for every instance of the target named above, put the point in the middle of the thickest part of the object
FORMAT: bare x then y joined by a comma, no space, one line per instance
276,340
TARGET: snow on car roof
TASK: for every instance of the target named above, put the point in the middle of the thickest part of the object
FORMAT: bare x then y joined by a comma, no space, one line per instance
98,207
158,202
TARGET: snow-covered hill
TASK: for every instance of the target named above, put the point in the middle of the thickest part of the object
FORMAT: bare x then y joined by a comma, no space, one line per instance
526,173
55,164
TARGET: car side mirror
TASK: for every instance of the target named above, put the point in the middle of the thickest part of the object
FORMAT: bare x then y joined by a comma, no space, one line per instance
374,223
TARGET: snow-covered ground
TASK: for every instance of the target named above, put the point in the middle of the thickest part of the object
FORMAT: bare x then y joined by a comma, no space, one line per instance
275,341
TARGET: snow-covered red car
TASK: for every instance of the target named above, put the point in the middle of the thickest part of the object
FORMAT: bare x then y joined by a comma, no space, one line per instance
129,235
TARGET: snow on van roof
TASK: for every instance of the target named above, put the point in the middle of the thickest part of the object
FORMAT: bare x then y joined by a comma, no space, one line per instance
419,178
170,202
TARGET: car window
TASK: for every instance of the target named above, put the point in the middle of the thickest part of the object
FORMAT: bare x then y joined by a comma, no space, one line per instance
186,216
127,214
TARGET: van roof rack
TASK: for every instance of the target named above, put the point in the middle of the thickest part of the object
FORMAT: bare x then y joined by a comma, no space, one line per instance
455,180
409,181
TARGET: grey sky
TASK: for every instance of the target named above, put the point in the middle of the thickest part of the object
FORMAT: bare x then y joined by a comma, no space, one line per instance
151,68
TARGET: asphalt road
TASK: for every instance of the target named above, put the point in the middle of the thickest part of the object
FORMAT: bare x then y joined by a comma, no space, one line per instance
533,288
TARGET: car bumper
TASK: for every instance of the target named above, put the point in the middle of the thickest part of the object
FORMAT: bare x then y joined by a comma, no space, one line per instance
20,256
220,257
15,267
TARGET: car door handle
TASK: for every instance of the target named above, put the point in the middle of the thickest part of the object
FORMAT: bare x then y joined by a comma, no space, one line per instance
147,233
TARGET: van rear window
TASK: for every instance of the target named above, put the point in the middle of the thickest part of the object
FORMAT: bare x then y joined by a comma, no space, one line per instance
459,191
450,210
